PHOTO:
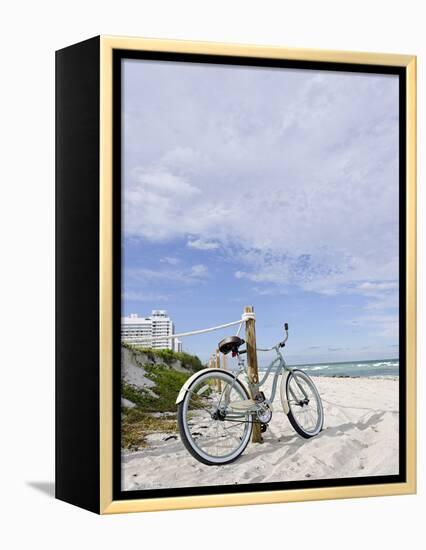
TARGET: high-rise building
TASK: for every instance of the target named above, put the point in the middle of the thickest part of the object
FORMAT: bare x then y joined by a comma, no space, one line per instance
150,332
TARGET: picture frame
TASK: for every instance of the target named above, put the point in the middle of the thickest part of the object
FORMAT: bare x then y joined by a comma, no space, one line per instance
89,196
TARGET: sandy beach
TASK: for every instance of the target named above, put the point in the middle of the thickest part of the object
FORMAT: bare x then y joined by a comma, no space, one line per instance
360,438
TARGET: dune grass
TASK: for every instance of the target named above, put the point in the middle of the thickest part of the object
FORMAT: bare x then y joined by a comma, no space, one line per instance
137,424
159,366
162,396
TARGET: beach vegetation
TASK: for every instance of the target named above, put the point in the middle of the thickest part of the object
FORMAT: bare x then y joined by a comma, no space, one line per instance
136,425
154,405
162,396
169,357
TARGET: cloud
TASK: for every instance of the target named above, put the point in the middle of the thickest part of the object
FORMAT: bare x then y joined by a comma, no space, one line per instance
296,182
202,244
198,271
184,160
155,199
183,275
385,301
262,276
373,288
385,324
170,260
138,296
160,285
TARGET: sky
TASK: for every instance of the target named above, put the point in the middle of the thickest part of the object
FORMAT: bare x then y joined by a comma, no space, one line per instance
276,188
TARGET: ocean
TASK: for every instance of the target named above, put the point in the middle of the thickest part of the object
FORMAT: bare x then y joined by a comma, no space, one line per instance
376,367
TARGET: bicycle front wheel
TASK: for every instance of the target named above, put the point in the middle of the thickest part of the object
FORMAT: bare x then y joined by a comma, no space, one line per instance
214,418
306,413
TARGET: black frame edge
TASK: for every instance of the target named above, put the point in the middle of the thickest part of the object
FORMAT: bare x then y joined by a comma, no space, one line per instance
400,72
77,424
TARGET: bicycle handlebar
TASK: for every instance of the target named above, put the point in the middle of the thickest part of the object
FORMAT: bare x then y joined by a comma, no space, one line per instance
280,344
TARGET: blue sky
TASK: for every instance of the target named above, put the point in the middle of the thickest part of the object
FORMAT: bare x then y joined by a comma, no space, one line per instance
268,187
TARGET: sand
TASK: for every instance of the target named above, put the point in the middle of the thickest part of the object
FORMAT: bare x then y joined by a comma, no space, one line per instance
360,438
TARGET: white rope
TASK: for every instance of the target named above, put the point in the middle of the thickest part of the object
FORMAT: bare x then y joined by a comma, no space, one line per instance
192,332
244,317
248,315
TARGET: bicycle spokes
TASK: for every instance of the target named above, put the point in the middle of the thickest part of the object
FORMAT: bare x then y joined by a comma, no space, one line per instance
215,417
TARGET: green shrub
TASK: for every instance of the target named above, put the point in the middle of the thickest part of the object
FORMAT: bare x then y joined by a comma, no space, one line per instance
168,383
188,361
138,422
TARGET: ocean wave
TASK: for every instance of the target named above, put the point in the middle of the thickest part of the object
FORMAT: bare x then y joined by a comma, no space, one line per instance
320,367
366,368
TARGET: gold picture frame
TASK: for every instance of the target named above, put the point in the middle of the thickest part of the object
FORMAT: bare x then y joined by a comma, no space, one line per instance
106,503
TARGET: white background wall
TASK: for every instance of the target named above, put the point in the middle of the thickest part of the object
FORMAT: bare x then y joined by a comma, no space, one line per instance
30,32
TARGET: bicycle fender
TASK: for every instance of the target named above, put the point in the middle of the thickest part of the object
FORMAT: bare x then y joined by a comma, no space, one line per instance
283,395
185,387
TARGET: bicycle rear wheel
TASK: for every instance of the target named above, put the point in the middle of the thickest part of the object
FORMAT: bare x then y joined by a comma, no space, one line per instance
214,418
306,413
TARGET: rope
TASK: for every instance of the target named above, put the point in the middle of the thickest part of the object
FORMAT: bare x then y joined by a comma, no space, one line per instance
248,315
244,317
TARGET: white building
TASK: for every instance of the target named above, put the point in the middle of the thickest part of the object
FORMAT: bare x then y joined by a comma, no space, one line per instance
150,332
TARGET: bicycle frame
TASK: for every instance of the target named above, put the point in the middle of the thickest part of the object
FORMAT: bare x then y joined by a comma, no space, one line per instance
278,365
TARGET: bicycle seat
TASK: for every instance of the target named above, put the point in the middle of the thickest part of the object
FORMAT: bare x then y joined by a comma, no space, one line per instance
231,343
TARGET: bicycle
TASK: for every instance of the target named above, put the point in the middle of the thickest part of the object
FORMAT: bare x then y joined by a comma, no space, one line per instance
216,411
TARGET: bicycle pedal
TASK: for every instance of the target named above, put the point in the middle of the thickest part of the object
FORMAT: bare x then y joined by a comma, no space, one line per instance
260,397
263,428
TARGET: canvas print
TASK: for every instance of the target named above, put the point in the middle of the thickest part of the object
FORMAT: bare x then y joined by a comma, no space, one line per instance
260,275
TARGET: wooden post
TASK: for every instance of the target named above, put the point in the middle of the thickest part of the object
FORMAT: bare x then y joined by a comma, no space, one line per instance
219,385
212,362
252,370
